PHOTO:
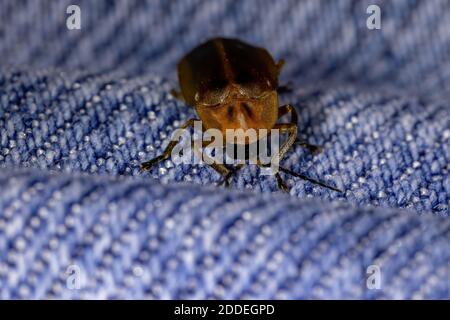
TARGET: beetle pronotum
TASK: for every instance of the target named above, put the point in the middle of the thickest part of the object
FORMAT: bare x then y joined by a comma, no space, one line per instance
234,85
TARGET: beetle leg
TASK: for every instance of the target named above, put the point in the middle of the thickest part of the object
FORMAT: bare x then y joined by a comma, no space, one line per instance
220,168
291,130
288,108
314,149
281,184
285,88
145,166
280,65
301,176
177,94
226,179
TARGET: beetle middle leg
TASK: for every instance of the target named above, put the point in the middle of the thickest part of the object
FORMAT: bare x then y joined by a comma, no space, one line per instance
167,152
314,149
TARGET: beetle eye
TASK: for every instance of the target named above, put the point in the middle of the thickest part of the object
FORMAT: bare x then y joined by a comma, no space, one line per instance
252,90
214,97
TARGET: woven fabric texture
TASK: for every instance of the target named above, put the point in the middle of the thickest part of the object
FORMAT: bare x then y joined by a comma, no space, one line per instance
81,109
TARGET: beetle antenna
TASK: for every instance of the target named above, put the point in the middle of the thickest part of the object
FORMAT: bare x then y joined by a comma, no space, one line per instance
301,176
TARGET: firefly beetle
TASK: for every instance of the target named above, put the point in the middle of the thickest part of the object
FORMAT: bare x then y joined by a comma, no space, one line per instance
234,85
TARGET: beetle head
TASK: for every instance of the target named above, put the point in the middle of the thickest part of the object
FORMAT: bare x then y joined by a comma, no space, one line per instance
244,113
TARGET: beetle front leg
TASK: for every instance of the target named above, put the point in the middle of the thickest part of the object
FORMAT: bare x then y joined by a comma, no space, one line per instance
283,186
279,65
226,179
288,108
167,152
291,130
314,149
177,94
220,168
280,183
285,88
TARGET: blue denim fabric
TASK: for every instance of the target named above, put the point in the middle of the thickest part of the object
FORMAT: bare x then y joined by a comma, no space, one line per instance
82,109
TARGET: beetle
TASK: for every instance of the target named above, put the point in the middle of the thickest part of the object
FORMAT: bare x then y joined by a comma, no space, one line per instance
234,85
